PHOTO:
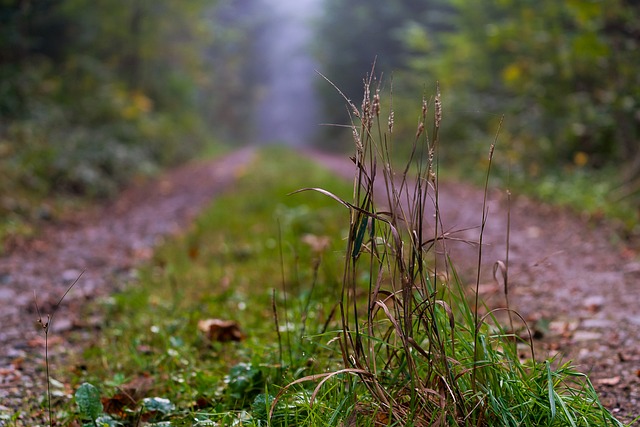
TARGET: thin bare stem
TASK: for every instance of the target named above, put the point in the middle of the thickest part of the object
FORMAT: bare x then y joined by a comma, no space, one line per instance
284,291
479,265
506,274
45,327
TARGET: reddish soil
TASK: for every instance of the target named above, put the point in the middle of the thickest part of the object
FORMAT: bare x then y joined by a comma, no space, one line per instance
577,288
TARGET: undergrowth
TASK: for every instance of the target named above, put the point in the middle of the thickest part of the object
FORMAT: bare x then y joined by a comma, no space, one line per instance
594,194
598,194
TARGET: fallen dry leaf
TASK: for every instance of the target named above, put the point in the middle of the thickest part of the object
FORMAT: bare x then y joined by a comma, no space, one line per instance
128,396
221,330
17,362
117,404
194,251
594,303
201,403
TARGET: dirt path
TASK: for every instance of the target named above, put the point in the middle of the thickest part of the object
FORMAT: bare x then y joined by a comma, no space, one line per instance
579,291
106,243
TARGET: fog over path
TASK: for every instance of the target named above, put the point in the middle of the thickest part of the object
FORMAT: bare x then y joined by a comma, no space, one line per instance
288,105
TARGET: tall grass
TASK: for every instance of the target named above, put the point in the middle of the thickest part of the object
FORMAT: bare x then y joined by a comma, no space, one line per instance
415,351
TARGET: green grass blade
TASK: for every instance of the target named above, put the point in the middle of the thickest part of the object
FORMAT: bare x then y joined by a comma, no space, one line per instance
552,400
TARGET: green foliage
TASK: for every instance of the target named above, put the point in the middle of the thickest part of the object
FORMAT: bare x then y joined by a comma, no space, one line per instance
158,404
563,74
559,71
93,93
90,407
244,382
106,421
357,34
88,401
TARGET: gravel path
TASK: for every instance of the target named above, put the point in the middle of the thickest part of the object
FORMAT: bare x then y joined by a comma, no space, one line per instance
106,243
578,290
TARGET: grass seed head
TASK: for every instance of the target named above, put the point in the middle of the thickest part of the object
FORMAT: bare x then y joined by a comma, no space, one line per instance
366,112
438,104
376,103
357,141
425,108
420,130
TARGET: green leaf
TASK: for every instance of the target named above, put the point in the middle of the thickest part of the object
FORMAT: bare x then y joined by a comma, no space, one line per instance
244,380
159,404
88,401
359,237
260,407
552,394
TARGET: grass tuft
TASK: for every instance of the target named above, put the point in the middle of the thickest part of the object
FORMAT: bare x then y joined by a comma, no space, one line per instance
420,353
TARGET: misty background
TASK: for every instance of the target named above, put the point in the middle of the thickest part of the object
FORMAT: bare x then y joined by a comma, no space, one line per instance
94,92
288,103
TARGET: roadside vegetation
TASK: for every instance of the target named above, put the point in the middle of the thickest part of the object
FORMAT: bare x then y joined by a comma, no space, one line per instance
561,73
94,94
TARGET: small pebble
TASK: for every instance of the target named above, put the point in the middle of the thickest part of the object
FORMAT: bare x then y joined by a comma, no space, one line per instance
586,336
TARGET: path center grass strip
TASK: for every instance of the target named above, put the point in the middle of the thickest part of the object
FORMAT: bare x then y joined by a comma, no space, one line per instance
252,244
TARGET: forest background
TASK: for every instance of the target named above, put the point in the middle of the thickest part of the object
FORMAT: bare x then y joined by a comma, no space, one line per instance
95,93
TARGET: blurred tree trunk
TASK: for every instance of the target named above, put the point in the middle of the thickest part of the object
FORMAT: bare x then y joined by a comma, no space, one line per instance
133,61
623,31
627,136
631,181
